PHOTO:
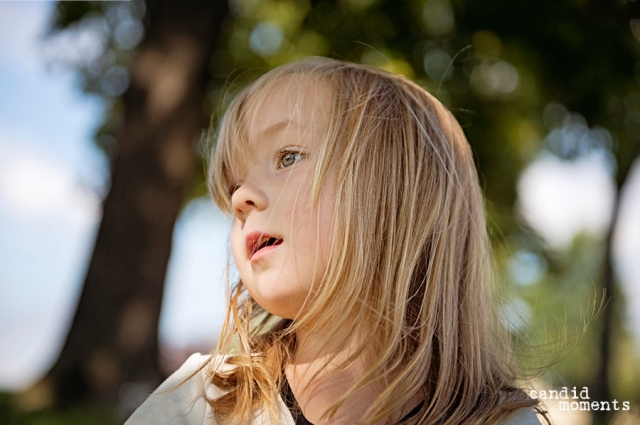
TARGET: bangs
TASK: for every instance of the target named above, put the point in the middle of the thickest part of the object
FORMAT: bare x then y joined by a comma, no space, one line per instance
231,141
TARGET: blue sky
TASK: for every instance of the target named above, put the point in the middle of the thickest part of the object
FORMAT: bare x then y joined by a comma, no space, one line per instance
50,180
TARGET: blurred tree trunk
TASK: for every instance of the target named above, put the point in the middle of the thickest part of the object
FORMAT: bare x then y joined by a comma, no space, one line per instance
610,320
602,389
111,350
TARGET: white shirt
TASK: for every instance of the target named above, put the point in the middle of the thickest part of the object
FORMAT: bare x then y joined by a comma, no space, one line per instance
176,402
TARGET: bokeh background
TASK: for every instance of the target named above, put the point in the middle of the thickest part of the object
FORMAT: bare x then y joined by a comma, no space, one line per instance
112,258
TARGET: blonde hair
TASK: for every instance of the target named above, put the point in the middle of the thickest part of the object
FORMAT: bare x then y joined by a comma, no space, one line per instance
409,245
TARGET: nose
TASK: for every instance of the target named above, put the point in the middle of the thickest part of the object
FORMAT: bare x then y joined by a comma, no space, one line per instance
247,197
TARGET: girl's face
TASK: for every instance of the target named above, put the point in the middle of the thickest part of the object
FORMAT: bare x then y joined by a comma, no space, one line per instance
280,243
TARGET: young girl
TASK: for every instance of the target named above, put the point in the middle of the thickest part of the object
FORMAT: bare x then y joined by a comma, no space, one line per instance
360,240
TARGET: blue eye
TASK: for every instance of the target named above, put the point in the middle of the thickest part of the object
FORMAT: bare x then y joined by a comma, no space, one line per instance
288,158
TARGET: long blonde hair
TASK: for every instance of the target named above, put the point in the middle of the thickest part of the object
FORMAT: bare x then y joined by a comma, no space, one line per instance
410,246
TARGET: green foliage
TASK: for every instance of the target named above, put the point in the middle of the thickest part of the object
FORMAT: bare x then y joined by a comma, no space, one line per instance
560,325
11,414
565,300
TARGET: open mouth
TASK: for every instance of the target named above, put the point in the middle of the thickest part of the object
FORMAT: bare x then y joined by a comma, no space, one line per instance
268,242
259,242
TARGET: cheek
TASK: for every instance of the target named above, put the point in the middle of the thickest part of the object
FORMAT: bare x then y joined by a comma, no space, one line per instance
237,244
318,233
326,215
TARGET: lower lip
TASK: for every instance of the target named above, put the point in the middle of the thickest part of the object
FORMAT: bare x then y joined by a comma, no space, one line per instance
262,252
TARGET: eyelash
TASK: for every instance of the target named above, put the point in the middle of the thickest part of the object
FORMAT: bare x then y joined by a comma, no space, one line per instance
283,153
279,158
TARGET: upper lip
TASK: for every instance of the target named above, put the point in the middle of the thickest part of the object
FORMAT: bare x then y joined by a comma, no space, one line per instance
256,239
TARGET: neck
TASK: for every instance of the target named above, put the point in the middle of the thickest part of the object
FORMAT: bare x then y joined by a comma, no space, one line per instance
320,374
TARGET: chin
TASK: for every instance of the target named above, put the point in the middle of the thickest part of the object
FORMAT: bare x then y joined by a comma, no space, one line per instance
281,307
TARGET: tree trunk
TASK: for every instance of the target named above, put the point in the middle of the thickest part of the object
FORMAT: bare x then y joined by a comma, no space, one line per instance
602,389
111,352
610,316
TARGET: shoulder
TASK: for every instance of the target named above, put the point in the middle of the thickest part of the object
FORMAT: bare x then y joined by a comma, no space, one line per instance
524,416
180,399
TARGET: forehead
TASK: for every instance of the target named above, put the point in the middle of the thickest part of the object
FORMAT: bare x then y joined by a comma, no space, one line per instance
294,103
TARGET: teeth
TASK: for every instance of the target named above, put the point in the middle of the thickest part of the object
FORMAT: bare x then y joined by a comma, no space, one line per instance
267,242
